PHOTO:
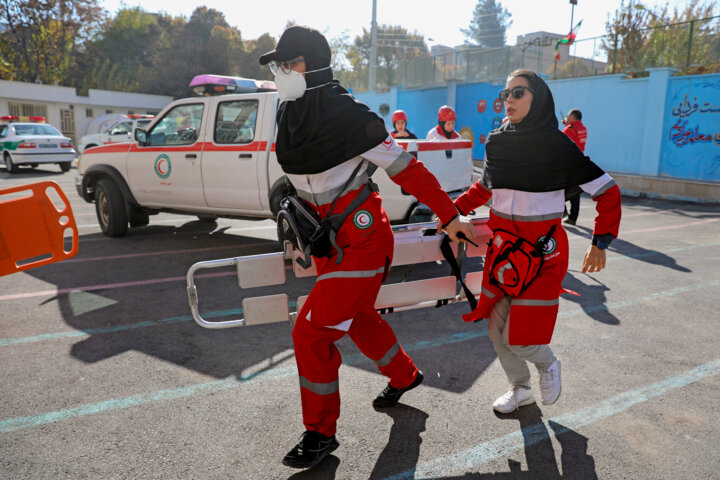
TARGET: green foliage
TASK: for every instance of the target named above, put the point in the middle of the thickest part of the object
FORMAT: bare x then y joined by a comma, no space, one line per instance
45,37
686,38
489,23
73,43
395,46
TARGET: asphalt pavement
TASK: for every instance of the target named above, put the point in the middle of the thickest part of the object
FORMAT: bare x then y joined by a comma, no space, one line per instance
106,376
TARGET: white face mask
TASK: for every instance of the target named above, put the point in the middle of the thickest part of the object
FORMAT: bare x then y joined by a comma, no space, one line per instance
291,86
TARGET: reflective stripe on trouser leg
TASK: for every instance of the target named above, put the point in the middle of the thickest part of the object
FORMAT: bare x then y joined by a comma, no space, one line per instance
376,340
318,362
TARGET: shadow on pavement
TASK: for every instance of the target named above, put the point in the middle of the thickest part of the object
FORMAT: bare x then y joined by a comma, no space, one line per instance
540,454
592,298
326,470
151,315
632,250
403,448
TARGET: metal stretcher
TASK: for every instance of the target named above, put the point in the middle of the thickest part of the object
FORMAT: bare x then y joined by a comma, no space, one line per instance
412,245
35,221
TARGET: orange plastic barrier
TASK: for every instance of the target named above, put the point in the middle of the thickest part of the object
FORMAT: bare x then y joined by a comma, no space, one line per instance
34,227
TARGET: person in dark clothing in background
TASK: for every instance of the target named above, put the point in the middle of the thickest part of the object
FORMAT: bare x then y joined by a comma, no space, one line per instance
577,132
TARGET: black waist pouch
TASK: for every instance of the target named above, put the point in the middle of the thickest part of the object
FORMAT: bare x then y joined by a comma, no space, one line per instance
309,233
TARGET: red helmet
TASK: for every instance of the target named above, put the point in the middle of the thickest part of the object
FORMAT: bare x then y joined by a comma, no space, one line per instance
399,115
446,114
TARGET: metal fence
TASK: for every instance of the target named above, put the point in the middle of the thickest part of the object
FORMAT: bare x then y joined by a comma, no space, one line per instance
690,47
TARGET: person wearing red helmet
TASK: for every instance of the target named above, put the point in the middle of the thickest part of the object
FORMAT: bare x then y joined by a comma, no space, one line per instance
399,121
445,129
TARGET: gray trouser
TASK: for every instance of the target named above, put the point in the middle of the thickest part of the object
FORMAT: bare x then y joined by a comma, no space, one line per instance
514,358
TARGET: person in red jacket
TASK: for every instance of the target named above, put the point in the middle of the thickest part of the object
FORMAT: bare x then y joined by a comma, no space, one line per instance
529,165
326,143
445,129
577,132
399,121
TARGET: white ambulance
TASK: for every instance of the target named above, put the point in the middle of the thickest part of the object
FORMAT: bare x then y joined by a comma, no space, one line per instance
115,129
214,156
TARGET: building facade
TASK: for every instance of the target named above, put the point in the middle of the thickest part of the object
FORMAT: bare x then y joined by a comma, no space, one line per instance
69,112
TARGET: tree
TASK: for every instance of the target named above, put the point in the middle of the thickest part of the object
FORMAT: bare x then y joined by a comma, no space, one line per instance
687,45
639,38
571,69
395,46
121,53
626,39
45,36
489,23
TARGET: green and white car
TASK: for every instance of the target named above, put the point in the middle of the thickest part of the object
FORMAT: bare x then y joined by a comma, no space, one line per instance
32,143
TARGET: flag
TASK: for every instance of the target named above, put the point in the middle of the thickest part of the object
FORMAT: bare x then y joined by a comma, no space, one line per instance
566,40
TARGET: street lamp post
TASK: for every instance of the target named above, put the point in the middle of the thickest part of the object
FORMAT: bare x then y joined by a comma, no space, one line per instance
373,48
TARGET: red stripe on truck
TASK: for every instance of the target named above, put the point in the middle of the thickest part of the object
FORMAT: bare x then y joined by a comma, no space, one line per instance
433,145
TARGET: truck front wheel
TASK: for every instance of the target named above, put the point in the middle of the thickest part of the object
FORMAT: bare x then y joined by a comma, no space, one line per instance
110,208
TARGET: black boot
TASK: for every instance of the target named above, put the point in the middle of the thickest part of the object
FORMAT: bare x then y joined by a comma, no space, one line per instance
310,450
390,396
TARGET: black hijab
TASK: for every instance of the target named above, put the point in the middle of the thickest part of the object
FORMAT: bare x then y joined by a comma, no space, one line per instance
326,126
533,155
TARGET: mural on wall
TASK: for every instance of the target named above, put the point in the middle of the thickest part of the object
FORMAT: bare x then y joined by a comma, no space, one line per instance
467,134
691,143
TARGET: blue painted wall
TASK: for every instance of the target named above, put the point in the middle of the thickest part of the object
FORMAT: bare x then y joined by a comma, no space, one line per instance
479,110
421,107
691,129
631,125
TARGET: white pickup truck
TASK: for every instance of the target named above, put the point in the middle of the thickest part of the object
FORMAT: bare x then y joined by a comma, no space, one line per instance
115,129
214,156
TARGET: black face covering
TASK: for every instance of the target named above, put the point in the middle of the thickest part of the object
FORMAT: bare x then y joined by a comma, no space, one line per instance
533,155
326,126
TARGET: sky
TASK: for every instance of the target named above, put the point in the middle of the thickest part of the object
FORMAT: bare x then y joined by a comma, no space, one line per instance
438,20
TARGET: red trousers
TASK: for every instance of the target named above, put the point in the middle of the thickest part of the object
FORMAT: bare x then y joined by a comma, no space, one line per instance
343,303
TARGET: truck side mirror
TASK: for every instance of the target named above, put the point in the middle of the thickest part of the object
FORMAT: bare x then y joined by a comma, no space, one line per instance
141,136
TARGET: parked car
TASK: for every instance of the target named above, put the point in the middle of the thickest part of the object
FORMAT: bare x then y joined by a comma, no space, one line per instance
118,128
214,156
31,141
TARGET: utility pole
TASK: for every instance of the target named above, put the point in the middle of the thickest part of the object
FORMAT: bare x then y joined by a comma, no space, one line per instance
373,47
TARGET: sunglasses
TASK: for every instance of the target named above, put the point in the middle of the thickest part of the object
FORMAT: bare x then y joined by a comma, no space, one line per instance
517,92
285,66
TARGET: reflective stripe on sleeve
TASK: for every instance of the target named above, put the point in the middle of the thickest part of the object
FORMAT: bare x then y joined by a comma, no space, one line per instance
389,355
351,274
487,292
399,164
604,189
527,302
319,388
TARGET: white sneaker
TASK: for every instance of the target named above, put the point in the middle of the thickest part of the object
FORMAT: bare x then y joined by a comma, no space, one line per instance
550,384
515,398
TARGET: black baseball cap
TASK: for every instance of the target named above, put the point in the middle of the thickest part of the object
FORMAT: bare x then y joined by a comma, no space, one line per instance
297,41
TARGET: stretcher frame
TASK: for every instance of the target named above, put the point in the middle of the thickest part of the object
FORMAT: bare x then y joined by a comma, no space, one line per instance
35,222
414,243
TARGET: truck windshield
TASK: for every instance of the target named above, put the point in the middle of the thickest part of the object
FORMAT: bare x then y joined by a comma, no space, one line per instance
179,126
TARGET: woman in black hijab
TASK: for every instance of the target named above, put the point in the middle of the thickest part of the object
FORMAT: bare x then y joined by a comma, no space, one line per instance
325,143
530,165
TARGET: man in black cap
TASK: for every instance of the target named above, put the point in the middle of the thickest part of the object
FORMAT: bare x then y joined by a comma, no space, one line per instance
325,144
